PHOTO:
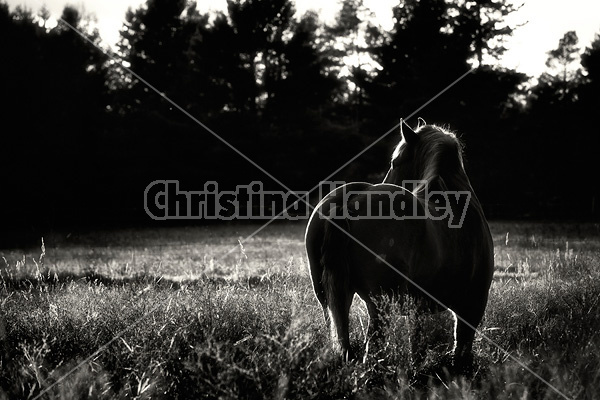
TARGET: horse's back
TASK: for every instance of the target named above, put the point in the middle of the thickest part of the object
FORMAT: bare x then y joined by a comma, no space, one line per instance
389,253
334,199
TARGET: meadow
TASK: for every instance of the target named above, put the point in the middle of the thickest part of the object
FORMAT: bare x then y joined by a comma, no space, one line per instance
194,313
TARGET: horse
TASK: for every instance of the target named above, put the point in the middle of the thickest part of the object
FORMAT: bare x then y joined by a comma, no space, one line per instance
364,239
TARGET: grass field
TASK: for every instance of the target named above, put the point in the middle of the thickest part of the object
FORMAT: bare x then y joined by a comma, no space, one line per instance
171,314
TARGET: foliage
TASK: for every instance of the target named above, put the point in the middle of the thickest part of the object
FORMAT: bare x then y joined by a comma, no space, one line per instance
560,87
560,111
564,55
296,96
55,98
480,24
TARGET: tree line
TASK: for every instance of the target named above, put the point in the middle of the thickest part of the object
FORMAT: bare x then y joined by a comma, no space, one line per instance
82,136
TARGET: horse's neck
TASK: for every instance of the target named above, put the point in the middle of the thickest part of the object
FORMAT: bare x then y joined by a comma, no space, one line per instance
459,183
458,190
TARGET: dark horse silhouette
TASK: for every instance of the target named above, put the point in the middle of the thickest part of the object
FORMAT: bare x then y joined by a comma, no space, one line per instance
434,249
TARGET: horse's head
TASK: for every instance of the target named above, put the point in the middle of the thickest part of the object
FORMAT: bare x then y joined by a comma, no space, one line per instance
427,154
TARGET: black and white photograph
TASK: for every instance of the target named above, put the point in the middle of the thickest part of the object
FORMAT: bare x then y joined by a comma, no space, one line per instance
299,199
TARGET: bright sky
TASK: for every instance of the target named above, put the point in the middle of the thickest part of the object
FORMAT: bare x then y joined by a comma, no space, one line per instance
547,21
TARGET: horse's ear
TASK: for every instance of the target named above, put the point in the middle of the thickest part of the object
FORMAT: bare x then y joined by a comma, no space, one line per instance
421,122
407,132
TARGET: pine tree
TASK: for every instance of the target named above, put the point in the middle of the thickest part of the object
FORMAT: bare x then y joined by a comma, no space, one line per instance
154,44
481,27
564,56
348,46
559,84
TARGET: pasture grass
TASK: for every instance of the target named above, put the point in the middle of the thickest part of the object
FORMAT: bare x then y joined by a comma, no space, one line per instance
192,313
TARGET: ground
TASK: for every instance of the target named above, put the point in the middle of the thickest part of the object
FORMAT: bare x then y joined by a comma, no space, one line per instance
192,313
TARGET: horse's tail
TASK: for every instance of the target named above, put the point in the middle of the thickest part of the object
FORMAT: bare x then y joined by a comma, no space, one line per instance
336,280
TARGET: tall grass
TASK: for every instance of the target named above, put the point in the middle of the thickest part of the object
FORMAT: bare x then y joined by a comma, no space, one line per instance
178,320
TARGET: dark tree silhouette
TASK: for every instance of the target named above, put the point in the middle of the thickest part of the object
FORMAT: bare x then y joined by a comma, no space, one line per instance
481,26
589,90
562,60
590,60
347,46
154,42
89,136
220,84
589,102
259,28
303,86
560,136
417,60
56,86
564,55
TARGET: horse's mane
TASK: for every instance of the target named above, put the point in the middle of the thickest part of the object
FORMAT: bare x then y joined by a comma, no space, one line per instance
438,153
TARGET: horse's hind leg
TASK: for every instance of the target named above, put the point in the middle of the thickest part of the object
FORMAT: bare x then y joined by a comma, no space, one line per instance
468,315
322,297
339,320
374,333
316,274
464,334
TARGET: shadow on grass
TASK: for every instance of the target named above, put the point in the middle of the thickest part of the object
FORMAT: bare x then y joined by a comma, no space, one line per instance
55,281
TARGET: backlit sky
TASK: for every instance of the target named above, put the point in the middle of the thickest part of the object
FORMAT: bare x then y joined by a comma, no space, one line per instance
547,21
